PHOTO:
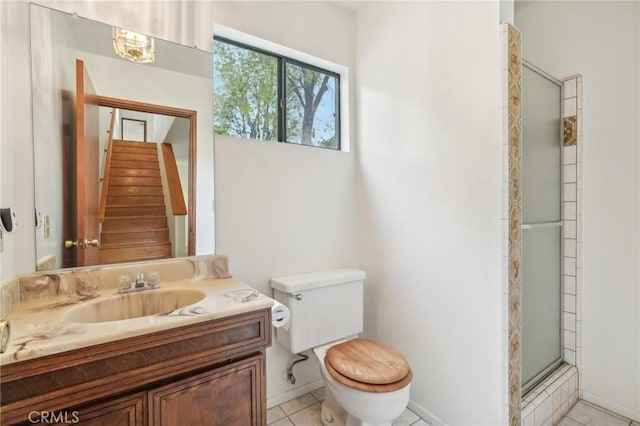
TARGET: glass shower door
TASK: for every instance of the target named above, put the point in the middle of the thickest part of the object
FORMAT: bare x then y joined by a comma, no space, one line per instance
541,226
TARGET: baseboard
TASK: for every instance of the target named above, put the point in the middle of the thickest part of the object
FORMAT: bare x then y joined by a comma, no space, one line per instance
294,393
611,406
425,414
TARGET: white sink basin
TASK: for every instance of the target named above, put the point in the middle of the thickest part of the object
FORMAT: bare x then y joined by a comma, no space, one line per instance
134,305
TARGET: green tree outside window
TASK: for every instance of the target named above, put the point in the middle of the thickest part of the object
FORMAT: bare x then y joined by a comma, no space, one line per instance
246,105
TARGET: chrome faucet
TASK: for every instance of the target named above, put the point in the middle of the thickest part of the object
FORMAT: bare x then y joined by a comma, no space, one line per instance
140,283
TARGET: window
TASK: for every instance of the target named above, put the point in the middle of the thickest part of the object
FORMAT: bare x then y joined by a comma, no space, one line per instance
262,95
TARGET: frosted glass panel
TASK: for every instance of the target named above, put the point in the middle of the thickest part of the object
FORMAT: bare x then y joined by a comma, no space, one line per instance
541,162
541,300
541,243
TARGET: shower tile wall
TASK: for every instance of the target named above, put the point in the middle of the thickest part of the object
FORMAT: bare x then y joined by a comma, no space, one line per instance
572,216
550,401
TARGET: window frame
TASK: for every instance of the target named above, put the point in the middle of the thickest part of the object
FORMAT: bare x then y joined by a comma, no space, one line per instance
281,100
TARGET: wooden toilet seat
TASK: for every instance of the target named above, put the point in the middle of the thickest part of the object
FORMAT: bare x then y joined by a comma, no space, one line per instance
368,366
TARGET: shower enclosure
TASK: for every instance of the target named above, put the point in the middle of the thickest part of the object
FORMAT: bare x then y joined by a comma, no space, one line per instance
541,225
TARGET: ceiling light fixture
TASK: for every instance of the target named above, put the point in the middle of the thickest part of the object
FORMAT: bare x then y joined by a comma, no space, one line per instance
133,46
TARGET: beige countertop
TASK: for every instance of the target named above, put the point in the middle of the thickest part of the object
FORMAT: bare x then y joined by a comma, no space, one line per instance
48,326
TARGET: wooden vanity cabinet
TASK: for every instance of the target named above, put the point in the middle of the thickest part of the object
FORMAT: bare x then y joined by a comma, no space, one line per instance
210,373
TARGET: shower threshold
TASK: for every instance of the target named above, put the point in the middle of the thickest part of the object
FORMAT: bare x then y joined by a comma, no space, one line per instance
553,397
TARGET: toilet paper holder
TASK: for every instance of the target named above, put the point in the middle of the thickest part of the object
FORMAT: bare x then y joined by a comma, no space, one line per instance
280,315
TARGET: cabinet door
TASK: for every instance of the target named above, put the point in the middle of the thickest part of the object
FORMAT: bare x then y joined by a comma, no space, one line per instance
232,395
125,411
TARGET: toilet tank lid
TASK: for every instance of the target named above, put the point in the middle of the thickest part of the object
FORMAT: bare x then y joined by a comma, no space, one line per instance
311,280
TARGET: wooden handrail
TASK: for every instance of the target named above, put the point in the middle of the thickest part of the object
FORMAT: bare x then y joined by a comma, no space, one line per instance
178,207
107,168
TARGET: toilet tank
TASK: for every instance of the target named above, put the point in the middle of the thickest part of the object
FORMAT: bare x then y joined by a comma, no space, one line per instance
324,306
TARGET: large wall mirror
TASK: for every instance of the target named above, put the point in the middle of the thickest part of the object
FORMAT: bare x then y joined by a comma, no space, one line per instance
123,148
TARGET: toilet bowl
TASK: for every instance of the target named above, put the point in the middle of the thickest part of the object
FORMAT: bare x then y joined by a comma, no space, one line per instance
366,382
349,406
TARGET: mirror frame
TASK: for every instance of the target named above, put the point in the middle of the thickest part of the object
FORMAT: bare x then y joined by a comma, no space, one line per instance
192,116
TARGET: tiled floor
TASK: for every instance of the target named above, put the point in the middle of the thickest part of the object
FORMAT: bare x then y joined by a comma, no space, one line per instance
305,411
586,414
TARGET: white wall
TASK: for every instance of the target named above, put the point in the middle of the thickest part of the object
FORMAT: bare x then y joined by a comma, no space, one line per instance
16,148
428,102
600,40
54,74
284,209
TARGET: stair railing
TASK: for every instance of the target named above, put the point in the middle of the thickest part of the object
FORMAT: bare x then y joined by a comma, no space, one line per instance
107,168
178,206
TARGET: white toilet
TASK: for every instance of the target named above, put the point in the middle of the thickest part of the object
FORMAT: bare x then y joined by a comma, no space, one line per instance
366,383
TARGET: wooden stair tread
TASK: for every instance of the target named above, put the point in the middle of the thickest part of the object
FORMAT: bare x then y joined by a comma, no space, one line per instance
134,198
133,231
127,202
124,164
123,156
130,206
130,246
148,223
139,164
112,246
133,217
125,171
134,190
137,211
130,148
122,142
134,181
134,254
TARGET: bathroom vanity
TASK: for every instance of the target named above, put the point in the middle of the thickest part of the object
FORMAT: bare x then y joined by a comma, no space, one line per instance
202,364
210,373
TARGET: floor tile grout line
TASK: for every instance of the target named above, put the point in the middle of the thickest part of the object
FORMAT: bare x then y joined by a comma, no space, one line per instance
579,422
